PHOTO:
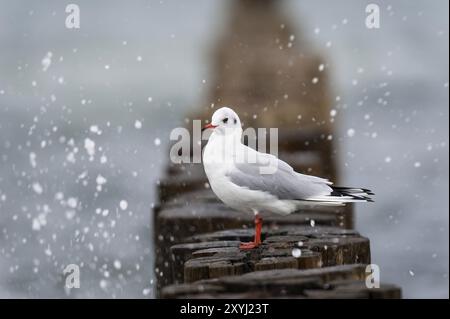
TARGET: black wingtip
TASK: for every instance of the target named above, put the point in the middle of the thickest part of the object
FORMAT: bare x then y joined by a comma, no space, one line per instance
353,192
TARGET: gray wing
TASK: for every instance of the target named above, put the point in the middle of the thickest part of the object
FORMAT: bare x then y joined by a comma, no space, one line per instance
284,183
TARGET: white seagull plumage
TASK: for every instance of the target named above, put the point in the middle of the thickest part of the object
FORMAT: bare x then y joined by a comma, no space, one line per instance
251,181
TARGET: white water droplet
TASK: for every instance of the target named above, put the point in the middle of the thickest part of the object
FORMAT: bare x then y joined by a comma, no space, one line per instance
123,204
95,129
103,284
33,159
350,132
117,264
146,291
296,252
89,145
72,202
100,180
48,251
37,188
36,225
47,61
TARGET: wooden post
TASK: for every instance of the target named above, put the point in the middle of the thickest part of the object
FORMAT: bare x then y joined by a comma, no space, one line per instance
272,78
343,281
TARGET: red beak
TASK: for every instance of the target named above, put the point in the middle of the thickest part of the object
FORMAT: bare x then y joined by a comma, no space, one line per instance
207,126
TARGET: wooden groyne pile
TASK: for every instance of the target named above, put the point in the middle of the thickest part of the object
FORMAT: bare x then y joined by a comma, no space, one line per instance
270,77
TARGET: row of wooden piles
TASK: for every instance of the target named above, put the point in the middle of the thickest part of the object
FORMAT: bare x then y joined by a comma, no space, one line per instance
271,78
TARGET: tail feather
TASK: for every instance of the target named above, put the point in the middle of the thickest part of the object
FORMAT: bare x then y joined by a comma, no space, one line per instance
351,190
358,194
345,195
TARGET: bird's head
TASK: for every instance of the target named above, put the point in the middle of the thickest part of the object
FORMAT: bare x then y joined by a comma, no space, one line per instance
225,121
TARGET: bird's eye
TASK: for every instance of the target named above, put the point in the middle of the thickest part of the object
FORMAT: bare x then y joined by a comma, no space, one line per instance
225,120
235,121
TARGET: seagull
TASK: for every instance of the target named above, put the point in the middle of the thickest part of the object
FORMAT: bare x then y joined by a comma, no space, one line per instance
253,182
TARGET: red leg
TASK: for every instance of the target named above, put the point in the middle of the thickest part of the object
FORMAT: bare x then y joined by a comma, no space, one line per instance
257,240
258,228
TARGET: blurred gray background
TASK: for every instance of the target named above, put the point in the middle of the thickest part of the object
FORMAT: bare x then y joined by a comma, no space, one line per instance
85,117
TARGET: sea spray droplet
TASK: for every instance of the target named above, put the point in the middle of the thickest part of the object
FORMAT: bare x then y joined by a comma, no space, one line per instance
123,204
103,284
47,61
95,129
72,202
32,159
89,145
37,188
117,264
100,179
350,132
146,291
296,252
